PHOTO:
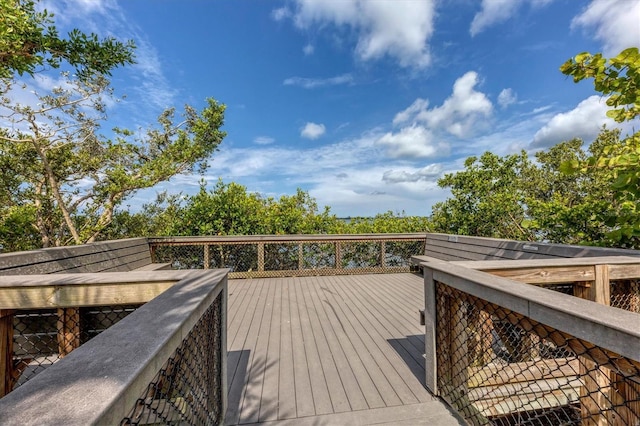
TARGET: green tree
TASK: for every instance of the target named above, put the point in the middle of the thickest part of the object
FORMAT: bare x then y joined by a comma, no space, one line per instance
619,79
569,209
29,41
487,198
384,223
229,209
156,218
71,176
297,214
514,197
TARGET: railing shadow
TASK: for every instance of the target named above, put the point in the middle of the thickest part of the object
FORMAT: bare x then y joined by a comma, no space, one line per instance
411,350
246,402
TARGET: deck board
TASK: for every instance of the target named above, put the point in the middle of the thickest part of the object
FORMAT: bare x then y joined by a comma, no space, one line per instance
328,350
404,382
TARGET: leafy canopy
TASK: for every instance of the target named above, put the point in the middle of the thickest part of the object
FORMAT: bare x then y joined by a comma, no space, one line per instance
29,41
71,177
619,79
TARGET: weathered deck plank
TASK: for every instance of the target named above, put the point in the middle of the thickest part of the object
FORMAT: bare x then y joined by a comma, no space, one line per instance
328,350
371,328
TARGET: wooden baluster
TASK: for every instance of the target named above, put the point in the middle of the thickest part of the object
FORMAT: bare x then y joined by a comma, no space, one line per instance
595,393
6,351
260,256
68,330
300,257
206,257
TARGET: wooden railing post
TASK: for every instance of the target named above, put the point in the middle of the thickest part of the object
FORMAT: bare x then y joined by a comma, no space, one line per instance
6,351
206,256
383,254
260,256
595,392
338,255
300,257
430,355
68,330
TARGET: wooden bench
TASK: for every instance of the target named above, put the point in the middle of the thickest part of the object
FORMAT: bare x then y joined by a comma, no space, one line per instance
445,247
108,256
132,254
452,248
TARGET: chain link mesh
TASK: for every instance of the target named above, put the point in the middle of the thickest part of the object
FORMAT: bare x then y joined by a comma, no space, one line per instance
498,367
43,336
248,259
626,295
188,387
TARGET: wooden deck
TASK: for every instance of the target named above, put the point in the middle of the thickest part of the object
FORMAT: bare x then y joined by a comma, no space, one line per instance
329,350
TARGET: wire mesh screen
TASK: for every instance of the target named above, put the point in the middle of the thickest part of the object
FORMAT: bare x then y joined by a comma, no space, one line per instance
42,337
188,387
498,367
626,295
286,258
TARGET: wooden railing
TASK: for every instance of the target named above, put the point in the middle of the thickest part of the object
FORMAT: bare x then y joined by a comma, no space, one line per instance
291,255
500,349
146,367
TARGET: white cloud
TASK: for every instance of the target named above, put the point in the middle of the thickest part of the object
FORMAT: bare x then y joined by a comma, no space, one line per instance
496,11
347,175
463,110
615,23
584,121
312,83
280,14
308,49
400,29
263,140
417,106
492,12
506,98
461,114
312,130
411,142
428,173
154,87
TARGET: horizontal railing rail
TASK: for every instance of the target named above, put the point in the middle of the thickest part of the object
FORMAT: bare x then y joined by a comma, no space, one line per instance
505,352
165,363
291,255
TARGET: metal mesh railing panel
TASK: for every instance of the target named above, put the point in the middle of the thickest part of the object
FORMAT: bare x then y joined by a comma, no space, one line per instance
41,337
626,295
398,253
180,256
286,258
188,387
501,368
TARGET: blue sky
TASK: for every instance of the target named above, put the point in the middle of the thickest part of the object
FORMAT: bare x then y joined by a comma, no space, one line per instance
363,103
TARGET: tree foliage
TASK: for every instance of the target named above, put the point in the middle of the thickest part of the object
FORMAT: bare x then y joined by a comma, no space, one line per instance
29,41
519,198
71,177
383,223
487,198
619,79
229,209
